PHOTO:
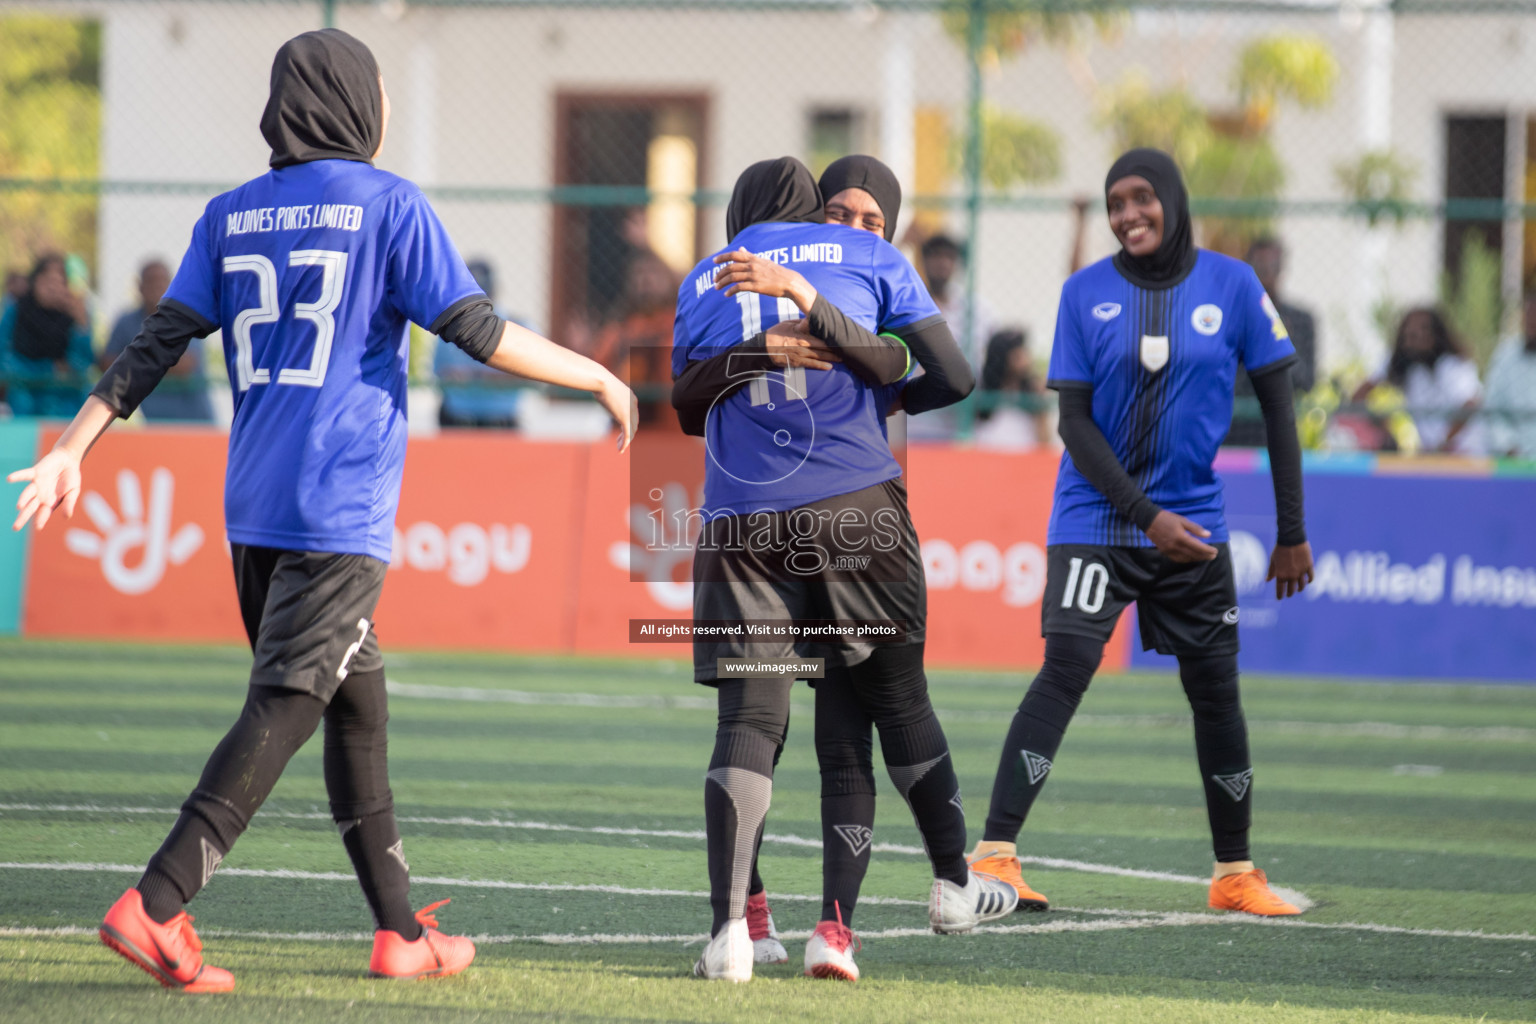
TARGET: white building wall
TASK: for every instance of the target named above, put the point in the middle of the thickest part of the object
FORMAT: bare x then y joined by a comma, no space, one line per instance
184,85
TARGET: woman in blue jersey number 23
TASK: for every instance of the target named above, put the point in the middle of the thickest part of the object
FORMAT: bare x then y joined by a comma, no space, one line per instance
312,270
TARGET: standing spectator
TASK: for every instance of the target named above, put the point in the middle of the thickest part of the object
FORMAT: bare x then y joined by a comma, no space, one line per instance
474,395
186,398
637,344
1438,382
1008,377
1267,258
1511,397
45,344
943,260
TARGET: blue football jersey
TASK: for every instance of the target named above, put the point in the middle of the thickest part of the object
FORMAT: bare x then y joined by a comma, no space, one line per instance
1162,365
312,271
796,435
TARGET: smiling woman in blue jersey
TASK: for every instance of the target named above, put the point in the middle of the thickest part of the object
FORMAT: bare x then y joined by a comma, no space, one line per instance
1147,345
799,475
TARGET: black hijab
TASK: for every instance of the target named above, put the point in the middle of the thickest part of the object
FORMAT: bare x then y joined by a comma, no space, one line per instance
1175,256
777,190
869,174
325,102
40,332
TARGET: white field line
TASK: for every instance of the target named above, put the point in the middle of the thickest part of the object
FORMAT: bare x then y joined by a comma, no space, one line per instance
544,826
1126,921
465,883
1381,730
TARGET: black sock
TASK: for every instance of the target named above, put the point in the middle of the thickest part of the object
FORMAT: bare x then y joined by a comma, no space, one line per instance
739,787
893,690
378,857
847,834
357,782
1221,747
237,779
844,750
1036,731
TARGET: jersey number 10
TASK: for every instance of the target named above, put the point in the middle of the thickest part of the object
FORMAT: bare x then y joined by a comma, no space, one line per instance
333,267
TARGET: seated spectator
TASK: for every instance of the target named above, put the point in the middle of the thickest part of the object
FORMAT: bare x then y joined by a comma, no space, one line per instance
1511,397
15,288
474,395
183,395
1008,415
45,344
1438,382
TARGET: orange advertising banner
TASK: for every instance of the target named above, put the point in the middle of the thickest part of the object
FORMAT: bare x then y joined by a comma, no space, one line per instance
486,546
507,544
144,556
981,517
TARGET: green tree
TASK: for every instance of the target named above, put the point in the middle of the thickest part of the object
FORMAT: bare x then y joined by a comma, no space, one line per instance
1229,159
50,127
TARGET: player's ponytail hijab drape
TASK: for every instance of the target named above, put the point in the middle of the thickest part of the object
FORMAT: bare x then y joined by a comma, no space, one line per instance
1174,257
773,190
325,102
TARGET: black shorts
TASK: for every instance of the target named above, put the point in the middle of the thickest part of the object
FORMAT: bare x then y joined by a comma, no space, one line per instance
1183,608
865,567
309,616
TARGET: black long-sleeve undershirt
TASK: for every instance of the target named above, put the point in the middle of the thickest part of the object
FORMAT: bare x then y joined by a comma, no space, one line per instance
157,347
947,375
471,324
1095,459
1273,387
874,359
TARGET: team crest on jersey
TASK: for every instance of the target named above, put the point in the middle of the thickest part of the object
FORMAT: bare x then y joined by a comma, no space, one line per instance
1276,326
1106,311
1154,351
1207,319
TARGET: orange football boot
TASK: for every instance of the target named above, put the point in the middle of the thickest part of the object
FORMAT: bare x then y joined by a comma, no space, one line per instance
1249,892
433,955
171,953
1007,868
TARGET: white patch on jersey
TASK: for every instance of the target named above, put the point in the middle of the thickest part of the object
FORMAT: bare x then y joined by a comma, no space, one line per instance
1230,616
1276,327
1235,785
1154,351
858,837
1035,766
1106,311
1207,319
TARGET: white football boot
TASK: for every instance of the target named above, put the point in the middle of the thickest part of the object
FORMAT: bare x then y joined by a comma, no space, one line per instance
766,947
953,908
829,953
728,957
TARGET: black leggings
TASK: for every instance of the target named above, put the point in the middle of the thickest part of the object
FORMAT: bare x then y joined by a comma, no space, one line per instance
887,691
245,766
1221,740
